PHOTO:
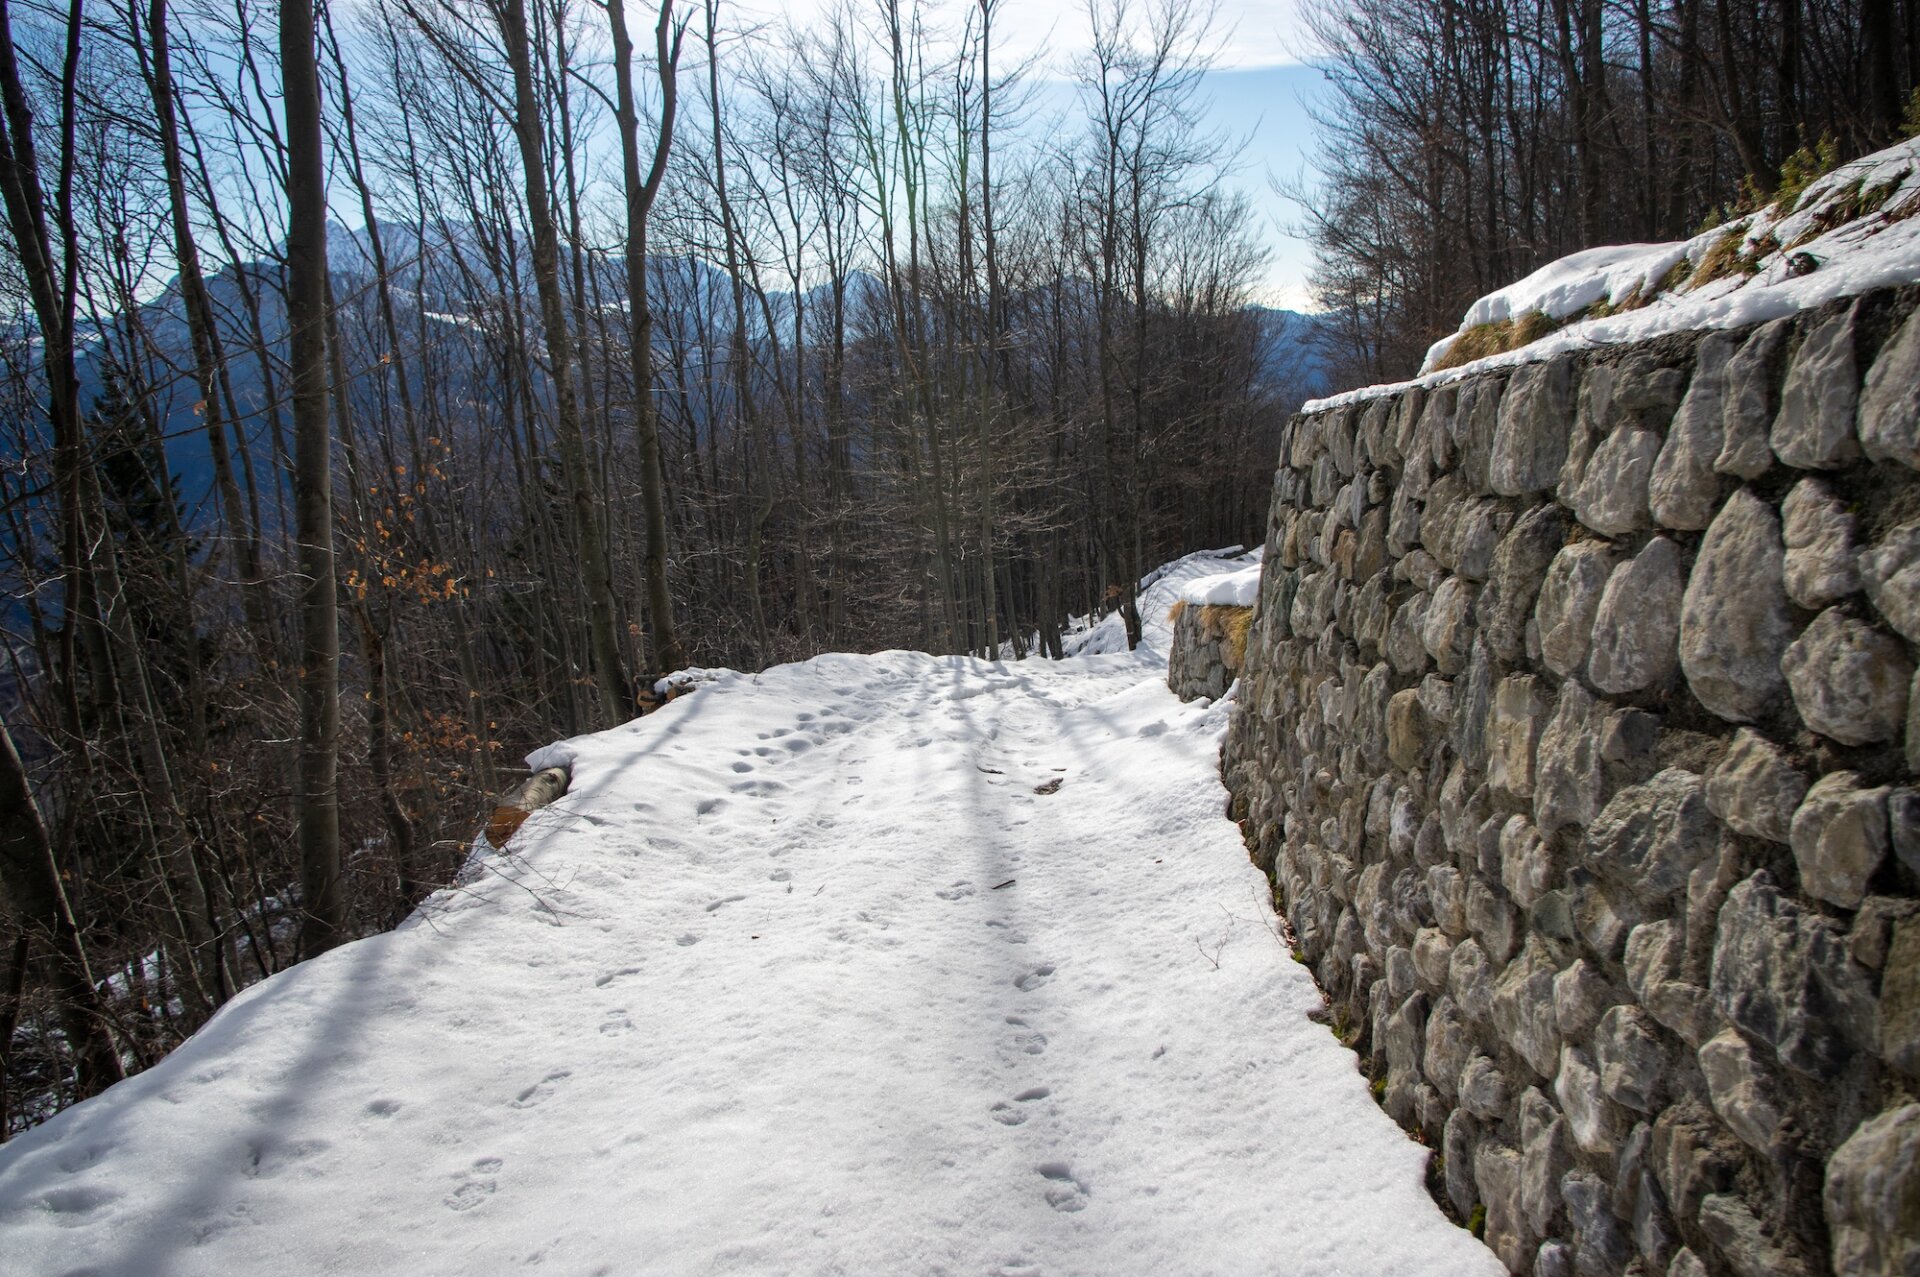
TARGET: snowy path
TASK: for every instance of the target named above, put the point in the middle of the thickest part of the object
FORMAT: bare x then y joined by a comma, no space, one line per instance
805,976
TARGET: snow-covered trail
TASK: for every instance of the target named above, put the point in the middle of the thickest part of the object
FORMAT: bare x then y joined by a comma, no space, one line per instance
891,964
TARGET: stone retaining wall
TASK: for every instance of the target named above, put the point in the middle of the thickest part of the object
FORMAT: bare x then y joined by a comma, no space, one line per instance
1578,732
1205,657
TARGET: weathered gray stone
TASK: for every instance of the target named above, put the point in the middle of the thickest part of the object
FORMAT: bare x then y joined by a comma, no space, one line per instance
1839,838
1683,489
1406,651
1637,625
1519,714
1655,960
1748,413
1650,836
1734,623
1872,1197
1408,729
1741,1091
1900,998
1456,1145
1814,428
1483,1089
1569,775
1523,1008
1819,534
1754,789
1513,582
1526,861
1545,1155
1849,681
1782,975
1628,735
1530,442
1581,995
1402,980
1447,896
1496,1170
1889,418
1491,918
1470,980
1432,955
1733,1227
1600,1249
1448,629
1553,1259
1643,388
1612,496
1569,601
1632,1058
1686,1264
1871,937
1450,1043
1890,569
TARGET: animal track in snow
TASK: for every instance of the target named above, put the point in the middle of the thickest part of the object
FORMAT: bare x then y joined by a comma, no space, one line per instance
540,1090
1063,1192
1033,979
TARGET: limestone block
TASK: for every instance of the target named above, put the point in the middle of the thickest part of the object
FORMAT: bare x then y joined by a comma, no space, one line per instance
1405,650
1546,1153
1814,428
1819,534
1448,630
1872,1197
1890,570
1637,624
1683,489
1526,861
1449,1044
1432,957
1523,1009
1496,1170
1754,789
1889,420
1513,735
1595,1123
1483,1089
1650,836
1900,998
1733,1227
1641,388
1530,441
1456,1145
1632,1058
1492,920
1599,1245
1741,1091
1783,976
1849,680
1748,410
1839,837
1402,979
1581,995
1447,895
1514,580
1470,980
1734,622
1612,496
1569,778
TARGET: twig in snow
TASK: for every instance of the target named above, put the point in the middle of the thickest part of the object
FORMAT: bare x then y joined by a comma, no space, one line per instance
1008,883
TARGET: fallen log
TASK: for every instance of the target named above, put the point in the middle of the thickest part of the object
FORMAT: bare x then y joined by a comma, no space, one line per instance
511,809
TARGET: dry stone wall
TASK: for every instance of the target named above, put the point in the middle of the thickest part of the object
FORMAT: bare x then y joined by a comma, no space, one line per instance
1206,655
1578,730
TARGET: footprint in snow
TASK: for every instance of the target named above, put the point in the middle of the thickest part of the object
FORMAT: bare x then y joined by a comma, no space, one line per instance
616,1022
1028,1040
958,891
541,1090
602,981
707,806
722,903
1033,979
743,768
1063,1192
476,1186
1010,1114
1048,787
687,940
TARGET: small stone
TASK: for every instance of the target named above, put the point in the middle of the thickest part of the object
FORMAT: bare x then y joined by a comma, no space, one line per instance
1891,572
1819,535
1523,1009
1483,1089
1530,443
1747,412
1569,777
1612,496
1526,861
1650,836
1900,998
1594,1122
1734,623
1631,1057
1740,1090
1683,487
1814,428
1849,681
1569,601
1872,1197
1754,789
1889,417
1637,624
1581,995
1839,838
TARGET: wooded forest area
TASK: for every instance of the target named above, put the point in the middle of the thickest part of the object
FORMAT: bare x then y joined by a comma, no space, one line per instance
1471,141
392,386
